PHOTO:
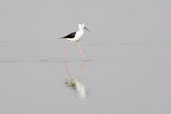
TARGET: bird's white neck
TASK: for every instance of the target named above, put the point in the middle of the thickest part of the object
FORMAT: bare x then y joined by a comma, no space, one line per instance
80,30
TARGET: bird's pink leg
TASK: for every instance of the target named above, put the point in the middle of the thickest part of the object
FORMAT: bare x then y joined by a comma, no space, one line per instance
81,52
67,49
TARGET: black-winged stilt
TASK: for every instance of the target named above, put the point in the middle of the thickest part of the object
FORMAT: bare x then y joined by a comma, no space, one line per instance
75,37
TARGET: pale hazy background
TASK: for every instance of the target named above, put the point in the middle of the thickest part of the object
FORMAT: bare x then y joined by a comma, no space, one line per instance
129,48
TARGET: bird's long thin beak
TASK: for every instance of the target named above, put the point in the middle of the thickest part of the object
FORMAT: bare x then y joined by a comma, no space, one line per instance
86,28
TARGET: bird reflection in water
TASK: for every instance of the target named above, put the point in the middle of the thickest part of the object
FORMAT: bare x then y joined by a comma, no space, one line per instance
76,83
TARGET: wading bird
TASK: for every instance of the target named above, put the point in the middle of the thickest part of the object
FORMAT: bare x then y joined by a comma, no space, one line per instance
75,37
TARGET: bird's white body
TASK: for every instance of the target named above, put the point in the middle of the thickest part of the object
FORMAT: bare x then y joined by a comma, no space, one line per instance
78,36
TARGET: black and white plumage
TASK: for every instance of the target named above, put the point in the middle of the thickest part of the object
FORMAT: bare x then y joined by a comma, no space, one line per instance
75,36
71,35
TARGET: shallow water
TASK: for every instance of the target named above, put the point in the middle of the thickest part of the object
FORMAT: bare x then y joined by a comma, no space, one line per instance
134,82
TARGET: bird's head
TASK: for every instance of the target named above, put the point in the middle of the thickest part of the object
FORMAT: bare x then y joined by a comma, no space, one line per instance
81,26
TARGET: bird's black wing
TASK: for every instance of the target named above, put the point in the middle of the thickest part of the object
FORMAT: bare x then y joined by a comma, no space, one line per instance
71,35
